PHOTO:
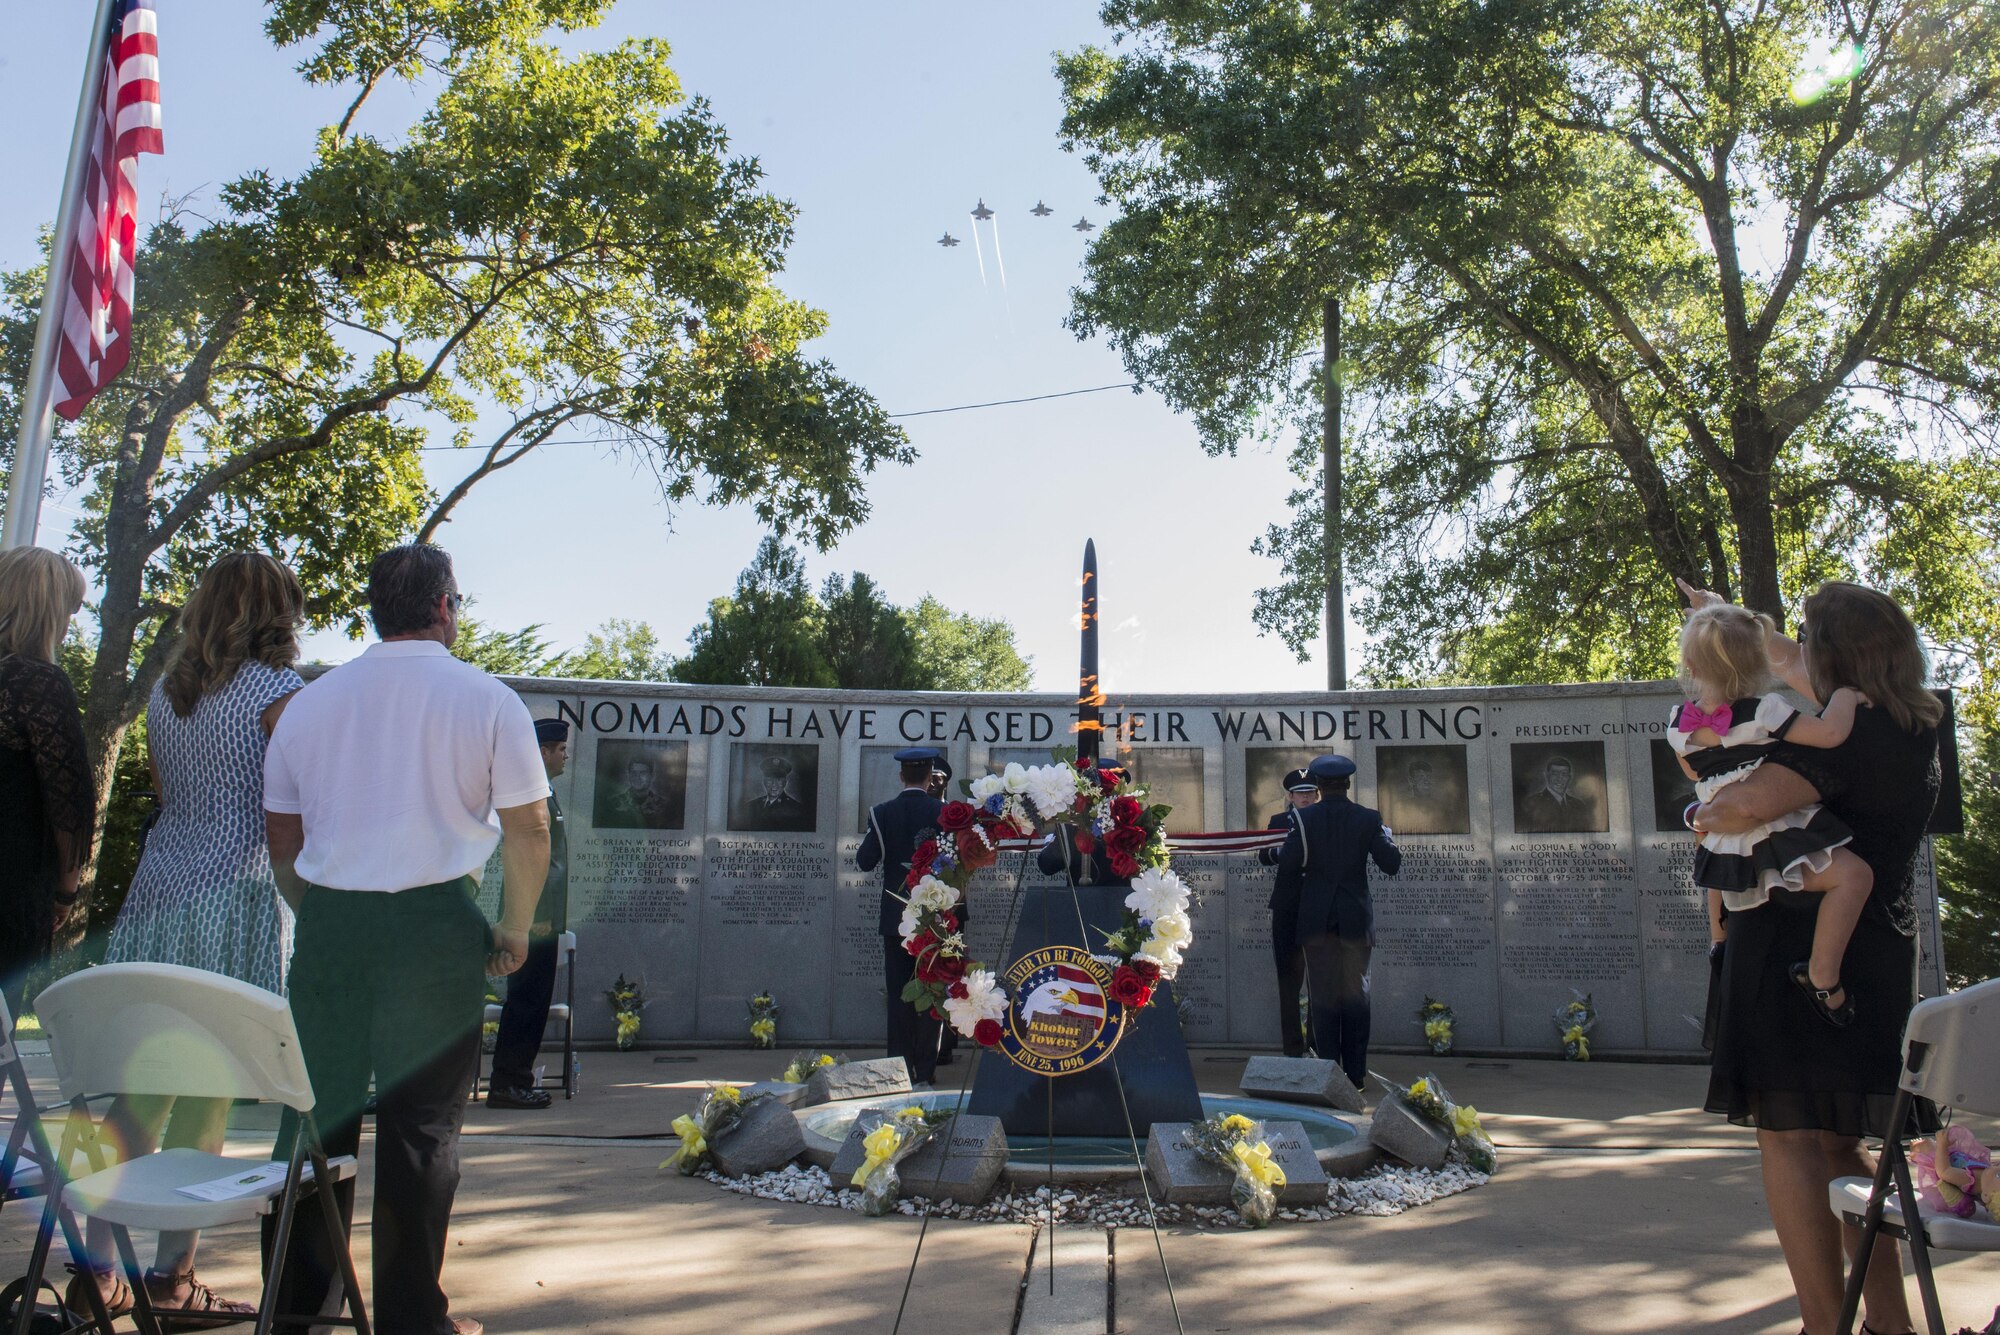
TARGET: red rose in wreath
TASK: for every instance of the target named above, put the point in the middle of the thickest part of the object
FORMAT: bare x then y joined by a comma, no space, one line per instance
1085,844
1127,810
974,852
920,943
941,968
956,816
1126,841
1108,780
1145,968
986,1033
1128,989
926,854
958,991
1124,866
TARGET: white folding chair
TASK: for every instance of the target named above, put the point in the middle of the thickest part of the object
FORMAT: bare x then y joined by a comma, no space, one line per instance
564,1011
28,1164
1949,1050
162,1029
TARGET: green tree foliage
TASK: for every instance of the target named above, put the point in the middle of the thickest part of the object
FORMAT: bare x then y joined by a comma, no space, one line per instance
960,652
867,639
504,653
1969,866
619,650
559,245
773,632
1635,289
769,633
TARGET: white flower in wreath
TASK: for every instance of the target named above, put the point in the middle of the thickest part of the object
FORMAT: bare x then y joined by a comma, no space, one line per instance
1176,929
1156,893
1163,953
986,786
934,895
984,999
1052,788
1015,777
907,927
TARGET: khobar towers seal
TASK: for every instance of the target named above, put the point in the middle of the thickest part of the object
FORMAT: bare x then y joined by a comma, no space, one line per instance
1060,1019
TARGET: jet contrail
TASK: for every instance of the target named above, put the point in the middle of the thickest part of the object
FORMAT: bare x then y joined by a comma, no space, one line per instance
1002,264
979,252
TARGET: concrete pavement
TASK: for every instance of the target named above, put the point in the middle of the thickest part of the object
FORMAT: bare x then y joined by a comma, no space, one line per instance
1619,1208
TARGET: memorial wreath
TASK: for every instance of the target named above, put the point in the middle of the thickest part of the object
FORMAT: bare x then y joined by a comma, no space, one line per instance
1109,812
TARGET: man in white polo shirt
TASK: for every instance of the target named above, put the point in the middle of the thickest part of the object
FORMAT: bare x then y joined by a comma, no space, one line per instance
387,783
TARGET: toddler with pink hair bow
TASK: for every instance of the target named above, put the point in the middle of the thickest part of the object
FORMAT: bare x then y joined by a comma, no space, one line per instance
1722,735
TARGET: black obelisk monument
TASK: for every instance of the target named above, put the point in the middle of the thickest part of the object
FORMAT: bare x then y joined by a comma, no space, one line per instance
1151,1061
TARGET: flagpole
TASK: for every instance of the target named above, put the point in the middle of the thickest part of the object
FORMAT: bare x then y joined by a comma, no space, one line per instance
31,448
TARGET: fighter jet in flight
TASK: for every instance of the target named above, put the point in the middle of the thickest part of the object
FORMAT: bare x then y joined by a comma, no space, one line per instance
1083,225
947,240
982,213
1041,210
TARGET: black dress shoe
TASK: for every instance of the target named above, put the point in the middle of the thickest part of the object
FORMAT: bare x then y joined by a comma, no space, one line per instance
518,1098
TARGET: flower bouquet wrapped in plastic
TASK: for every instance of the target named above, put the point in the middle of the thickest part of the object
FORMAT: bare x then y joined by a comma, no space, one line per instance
717,1114
1439,1022
803,1066
627,1000
1470,1141
1574,1021
1237,1143
763,1021
1429,1099
899,1136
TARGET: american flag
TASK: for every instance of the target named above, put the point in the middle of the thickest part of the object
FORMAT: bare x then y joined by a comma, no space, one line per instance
1085,1000
97,299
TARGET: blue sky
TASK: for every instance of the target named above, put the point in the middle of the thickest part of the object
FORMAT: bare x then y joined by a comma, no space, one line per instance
884,123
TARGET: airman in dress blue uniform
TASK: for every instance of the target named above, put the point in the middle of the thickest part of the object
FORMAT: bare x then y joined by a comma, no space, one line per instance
895,828
1300,791
1329,847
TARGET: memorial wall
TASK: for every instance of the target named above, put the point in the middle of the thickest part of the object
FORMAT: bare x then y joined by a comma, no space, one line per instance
712,834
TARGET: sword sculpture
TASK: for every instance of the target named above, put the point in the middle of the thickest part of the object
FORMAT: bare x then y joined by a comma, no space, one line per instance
1089,692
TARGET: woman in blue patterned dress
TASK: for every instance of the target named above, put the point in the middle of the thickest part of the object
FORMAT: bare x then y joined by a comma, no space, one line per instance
203,895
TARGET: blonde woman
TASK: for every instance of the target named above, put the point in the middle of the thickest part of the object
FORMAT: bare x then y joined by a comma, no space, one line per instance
203,895
48,799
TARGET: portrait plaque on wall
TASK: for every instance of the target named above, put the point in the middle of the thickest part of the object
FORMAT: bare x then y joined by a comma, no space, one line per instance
641,785
773,787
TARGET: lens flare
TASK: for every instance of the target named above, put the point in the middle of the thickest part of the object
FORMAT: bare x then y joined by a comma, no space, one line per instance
1839,68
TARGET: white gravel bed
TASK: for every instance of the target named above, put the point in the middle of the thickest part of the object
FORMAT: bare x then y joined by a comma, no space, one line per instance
1381,1191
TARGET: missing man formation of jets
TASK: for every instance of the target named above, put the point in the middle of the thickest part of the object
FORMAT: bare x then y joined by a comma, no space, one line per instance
982,214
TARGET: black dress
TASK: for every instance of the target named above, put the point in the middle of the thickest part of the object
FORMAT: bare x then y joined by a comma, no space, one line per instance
1776,1063
45,788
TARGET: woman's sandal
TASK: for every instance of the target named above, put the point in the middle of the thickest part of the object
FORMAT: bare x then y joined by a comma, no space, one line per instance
1838,1016
185,1295
76,1297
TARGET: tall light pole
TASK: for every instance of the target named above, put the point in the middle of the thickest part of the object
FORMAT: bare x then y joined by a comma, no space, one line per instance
1336,595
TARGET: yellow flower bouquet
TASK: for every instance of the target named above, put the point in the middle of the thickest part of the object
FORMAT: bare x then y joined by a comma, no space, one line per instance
628,998
1428,1098
900,1135
1440,1024
1237,1143
763,1021
1574,1021
803,1066
715,1116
